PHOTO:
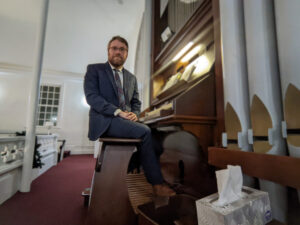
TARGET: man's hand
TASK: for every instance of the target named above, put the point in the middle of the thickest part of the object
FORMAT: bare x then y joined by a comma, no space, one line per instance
128,115
123,114
132,116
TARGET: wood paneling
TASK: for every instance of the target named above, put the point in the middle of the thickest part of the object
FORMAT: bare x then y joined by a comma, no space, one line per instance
218,75
284,170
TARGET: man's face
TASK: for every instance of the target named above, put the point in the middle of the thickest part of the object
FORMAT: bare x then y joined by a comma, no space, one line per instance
117,53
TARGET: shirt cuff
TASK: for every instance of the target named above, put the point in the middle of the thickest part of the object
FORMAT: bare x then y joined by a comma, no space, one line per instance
117,112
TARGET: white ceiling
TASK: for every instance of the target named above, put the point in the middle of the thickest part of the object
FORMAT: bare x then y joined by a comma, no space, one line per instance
77,31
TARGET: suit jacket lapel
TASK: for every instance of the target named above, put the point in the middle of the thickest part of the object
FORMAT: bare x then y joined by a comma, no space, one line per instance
111,77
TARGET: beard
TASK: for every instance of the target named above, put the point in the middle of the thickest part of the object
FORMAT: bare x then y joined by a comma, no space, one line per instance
117,61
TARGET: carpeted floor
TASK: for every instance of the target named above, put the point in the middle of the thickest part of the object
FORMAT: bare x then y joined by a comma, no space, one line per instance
55,197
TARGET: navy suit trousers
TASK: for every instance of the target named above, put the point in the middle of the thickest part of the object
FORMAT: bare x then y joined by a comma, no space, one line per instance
123,128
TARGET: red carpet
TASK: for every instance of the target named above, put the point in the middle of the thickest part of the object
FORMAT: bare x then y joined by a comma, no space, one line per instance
55,197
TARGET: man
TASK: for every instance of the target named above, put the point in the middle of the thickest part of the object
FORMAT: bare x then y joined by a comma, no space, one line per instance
112,93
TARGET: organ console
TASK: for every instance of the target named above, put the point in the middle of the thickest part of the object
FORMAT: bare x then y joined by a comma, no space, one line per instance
186,81
186,95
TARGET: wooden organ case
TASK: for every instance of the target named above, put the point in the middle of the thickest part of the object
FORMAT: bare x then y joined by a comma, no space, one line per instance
187,95
187,90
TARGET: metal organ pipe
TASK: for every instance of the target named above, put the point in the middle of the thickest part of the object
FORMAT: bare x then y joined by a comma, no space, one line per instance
265,93
288,36
235,74
236,95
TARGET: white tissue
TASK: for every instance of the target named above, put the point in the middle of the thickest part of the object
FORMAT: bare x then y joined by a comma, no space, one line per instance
229,182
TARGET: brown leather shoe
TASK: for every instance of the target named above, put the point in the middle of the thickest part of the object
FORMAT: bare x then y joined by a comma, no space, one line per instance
163,190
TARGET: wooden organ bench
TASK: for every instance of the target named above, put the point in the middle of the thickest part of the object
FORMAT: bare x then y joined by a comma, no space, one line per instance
119,198
110,203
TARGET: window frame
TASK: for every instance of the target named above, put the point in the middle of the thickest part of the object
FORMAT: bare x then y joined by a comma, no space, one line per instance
60,104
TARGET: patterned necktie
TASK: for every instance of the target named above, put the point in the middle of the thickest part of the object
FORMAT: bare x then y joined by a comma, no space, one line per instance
120,90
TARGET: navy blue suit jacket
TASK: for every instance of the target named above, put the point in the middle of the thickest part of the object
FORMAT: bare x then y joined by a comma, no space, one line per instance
102,96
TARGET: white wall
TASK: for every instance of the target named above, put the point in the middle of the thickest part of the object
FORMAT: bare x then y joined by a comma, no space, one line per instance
78,31
73,115
14,90
18,31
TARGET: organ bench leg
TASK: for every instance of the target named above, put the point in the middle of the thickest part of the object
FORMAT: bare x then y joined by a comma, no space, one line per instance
110,203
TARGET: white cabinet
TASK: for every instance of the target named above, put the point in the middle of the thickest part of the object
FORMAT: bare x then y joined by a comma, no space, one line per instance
48,152
11,161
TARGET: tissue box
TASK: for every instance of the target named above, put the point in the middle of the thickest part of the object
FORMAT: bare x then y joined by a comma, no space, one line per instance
252,209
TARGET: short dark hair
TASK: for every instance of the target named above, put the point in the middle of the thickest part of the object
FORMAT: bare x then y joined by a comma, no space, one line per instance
119,38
